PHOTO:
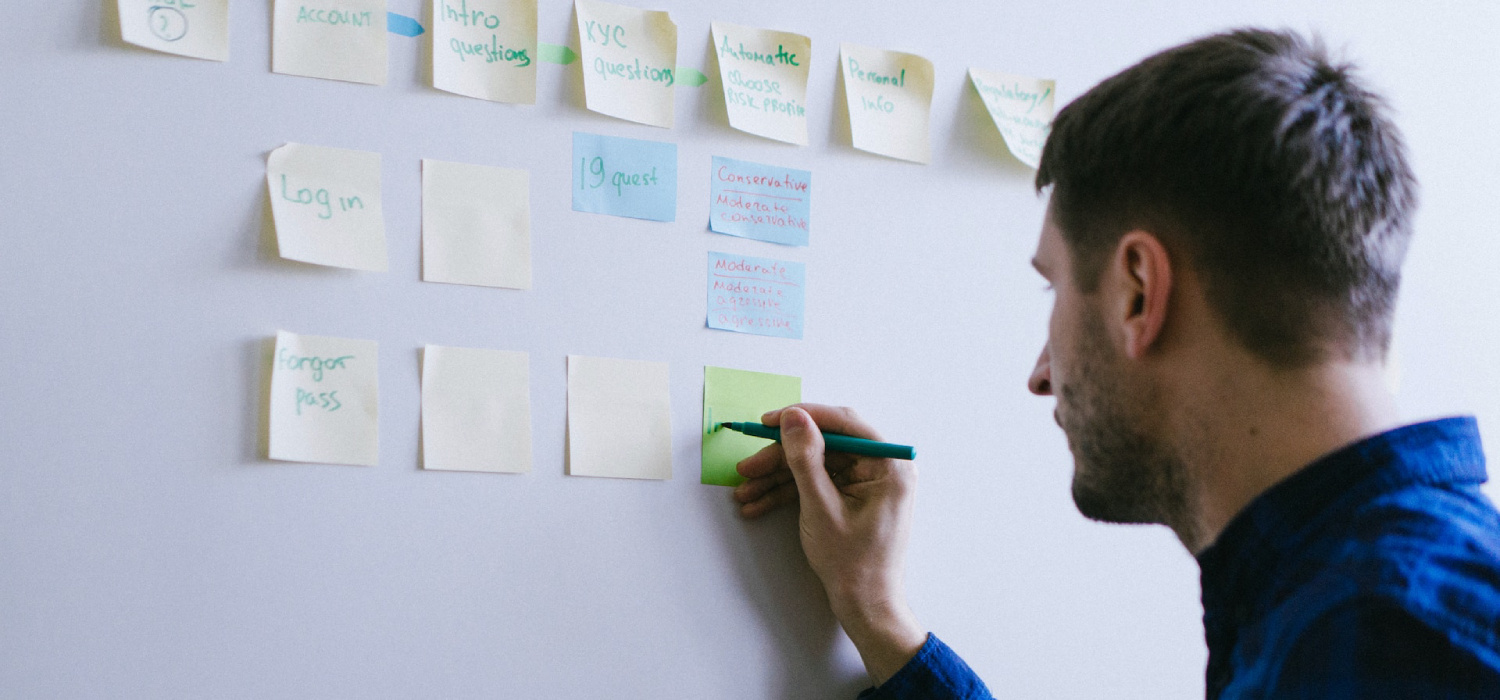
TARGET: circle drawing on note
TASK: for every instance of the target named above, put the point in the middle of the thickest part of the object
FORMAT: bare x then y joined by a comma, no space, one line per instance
167,23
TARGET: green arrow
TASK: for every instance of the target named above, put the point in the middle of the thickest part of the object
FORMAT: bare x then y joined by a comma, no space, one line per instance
690,77
552,53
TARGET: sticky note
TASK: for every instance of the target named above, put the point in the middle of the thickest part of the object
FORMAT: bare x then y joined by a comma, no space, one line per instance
619,418
324,400
737,395
757,201
485,49
755,295
624,177
889,95
194,28
1022,110
333,39
629,61
476,410
326,203
764,73
476,225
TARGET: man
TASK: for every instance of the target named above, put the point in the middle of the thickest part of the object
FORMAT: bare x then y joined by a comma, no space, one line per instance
1224,238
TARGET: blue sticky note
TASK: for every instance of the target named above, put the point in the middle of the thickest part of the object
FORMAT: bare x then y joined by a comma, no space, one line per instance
755,295
757,201
624,177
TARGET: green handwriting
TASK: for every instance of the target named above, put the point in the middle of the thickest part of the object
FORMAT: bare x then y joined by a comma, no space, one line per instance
620,180
781,57
326,400
335,17
859,74
317,365
320,198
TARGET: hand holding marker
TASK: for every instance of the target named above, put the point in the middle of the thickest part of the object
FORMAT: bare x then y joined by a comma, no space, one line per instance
832,442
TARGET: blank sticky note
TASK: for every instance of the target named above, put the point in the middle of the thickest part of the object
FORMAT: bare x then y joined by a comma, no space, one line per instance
764,202
476,225
1022,110
737,395
476,410
195,28
755,295
624,177
619,418
333,39
327,206
629,61
889,95
485,49
764,73
324,400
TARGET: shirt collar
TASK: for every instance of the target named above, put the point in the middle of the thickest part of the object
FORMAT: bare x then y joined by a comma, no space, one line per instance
1240,562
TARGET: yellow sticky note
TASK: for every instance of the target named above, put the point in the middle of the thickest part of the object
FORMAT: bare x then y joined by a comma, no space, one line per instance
326,203
476,410
629,61
476,225
1022,109
765,80
619,418
333,39
324,400
485,49
890,101
195,28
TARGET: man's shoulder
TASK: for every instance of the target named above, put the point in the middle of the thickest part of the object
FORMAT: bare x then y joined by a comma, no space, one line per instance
1416,564
1408,542
1430,553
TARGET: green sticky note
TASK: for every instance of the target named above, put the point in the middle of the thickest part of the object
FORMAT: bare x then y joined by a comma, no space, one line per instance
737,395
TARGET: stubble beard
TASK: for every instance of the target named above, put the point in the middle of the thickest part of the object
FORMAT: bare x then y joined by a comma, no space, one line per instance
1121,473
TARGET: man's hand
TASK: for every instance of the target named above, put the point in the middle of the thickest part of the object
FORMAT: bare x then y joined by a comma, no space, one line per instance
855,519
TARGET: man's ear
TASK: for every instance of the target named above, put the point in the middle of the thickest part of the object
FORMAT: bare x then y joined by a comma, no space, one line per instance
1144,286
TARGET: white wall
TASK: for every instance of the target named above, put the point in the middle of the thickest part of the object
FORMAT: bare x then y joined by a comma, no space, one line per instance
148,550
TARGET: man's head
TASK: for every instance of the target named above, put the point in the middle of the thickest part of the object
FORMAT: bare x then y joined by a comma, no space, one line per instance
1248,163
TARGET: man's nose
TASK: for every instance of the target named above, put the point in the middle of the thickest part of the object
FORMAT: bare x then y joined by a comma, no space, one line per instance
1041,375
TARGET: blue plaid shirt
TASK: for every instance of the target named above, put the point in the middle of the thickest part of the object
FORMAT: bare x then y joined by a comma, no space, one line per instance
1373,572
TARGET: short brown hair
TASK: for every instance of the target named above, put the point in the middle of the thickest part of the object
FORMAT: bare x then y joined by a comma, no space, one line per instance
1272,168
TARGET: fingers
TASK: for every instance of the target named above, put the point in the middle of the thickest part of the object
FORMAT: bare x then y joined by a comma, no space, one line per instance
767,461
833,419
771,500
803,446
867,469
755,488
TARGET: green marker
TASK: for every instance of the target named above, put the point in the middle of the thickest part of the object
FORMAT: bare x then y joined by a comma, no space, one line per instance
832,441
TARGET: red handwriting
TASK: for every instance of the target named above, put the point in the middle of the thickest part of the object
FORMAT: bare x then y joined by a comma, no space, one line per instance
738,321
749,211
735,217
772,196
784,182
775,269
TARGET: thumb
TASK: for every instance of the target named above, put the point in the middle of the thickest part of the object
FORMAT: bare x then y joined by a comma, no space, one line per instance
802,443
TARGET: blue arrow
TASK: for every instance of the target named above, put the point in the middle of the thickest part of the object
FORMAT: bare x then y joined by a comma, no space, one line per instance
403,25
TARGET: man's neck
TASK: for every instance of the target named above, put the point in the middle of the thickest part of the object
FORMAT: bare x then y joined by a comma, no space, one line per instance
1247,430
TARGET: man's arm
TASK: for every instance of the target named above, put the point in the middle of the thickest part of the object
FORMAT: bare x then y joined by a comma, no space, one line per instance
855,518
